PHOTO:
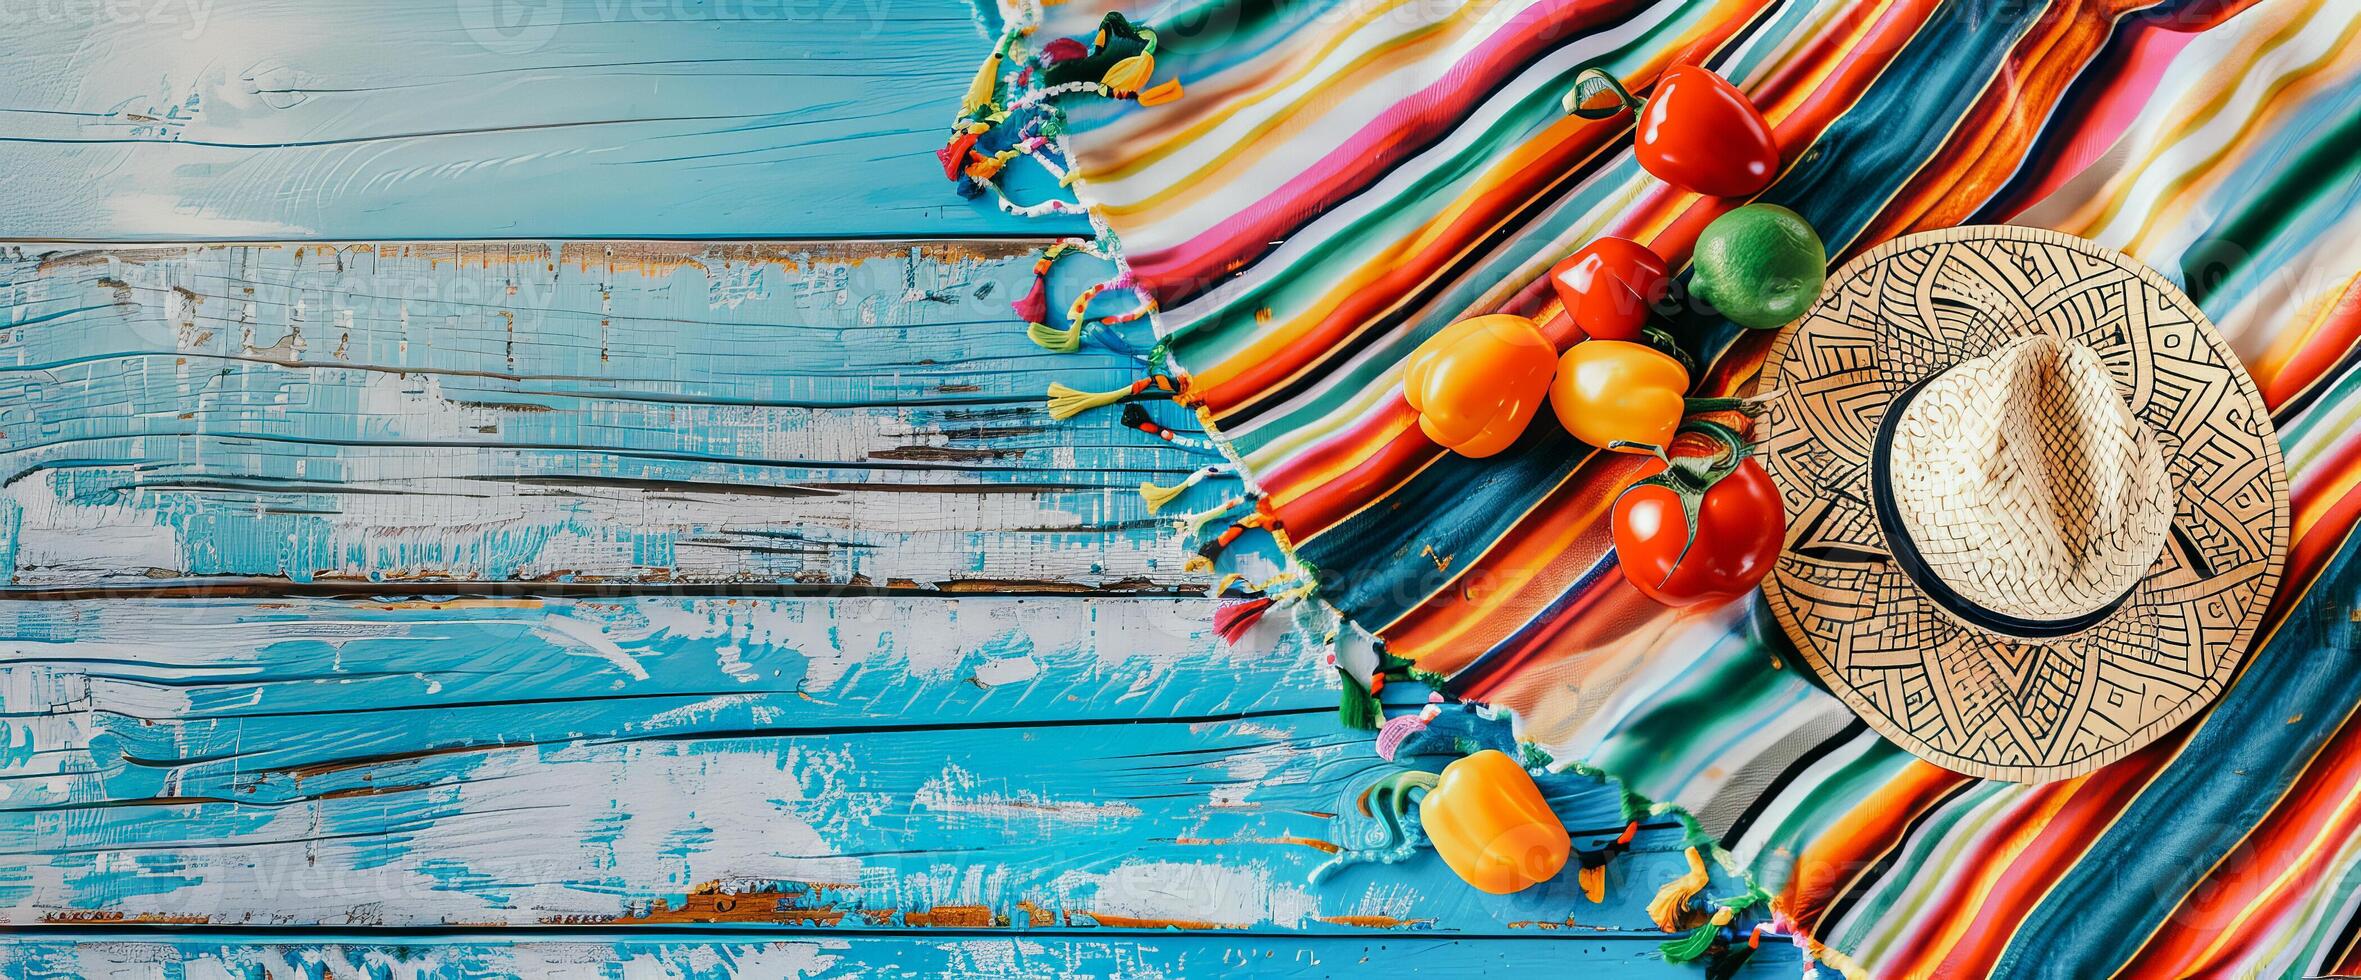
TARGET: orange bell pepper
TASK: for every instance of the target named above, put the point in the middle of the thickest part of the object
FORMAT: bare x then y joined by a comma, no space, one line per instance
1487,819
1620,395
1476,383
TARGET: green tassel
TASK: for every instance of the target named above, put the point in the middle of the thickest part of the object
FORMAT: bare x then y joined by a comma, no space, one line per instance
1691,946
1725,964
1359,709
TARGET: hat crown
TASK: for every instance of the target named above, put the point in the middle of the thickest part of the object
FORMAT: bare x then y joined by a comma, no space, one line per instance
2026,484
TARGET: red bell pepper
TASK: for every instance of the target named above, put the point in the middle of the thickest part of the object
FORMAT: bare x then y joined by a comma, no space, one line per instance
1608,285
1696,130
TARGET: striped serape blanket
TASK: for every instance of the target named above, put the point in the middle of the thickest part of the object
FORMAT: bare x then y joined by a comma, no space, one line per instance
1303,192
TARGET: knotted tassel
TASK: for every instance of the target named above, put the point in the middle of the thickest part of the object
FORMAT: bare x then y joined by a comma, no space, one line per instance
1699,940
1062,49
1233,617
1593,876
954,154
1211,550
1035,306
1666,907
1068,339
1056,340
1170,91
1725,964
1136,417
979,92
1066,402
1131,74
1157,496
1193,525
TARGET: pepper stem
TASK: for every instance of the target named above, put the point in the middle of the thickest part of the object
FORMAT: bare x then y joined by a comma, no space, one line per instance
1661,339
1590,83
1393,797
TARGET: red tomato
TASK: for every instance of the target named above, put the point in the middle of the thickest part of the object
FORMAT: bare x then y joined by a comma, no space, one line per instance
1608,285
1738,523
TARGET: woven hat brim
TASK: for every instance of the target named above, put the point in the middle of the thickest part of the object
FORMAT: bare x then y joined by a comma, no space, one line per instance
1968,699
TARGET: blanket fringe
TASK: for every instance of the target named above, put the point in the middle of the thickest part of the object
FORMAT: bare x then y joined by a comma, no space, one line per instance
1136,417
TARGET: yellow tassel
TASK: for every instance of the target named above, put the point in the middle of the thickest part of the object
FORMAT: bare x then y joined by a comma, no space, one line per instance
1129,75
1170,91
1594,883
979,92
1057,340
1193,525
1666,907
1157,496
1065,402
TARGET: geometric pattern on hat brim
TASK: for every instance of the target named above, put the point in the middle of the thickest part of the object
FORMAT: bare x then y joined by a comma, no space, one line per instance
1971,699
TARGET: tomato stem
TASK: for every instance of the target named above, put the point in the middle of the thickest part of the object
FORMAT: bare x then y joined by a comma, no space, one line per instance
1691,477
1577,97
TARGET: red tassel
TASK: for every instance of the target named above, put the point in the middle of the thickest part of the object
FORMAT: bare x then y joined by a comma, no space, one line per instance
954,155
1062,49
1034,308
1234,617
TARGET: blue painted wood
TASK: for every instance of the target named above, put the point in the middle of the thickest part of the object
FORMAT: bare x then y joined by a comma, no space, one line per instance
812,413
709,955
409,119
890,782
1088,763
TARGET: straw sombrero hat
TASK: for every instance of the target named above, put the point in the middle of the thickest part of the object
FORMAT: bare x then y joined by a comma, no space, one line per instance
2035,505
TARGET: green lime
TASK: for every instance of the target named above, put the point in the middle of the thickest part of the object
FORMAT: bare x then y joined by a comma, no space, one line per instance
1760,265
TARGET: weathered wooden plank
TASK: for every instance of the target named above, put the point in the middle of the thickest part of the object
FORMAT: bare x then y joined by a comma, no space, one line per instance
404,119
914,763
714,956
861,413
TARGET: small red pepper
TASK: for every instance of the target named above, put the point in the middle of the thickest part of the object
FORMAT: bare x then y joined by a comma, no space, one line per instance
1608,285
1696,130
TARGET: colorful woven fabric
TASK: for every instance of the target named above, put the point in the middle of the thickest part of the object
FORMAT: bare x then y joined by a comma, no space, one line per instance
1341,180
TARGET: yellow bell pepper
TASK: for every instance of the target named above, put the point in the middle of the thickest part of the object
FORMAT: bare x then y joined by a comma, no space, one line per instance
1487,819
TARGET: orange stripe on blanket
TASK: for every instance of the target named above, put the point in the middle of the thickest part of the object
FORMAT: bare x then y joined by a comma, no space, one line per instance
2060,821
2302,358
1837,857
1286,349
2279,864
1990,143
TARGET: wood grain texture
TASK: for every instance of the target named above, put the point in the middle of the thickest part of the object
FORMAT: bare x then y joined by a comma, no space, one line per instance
408,119
923,763
714,956
805,413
